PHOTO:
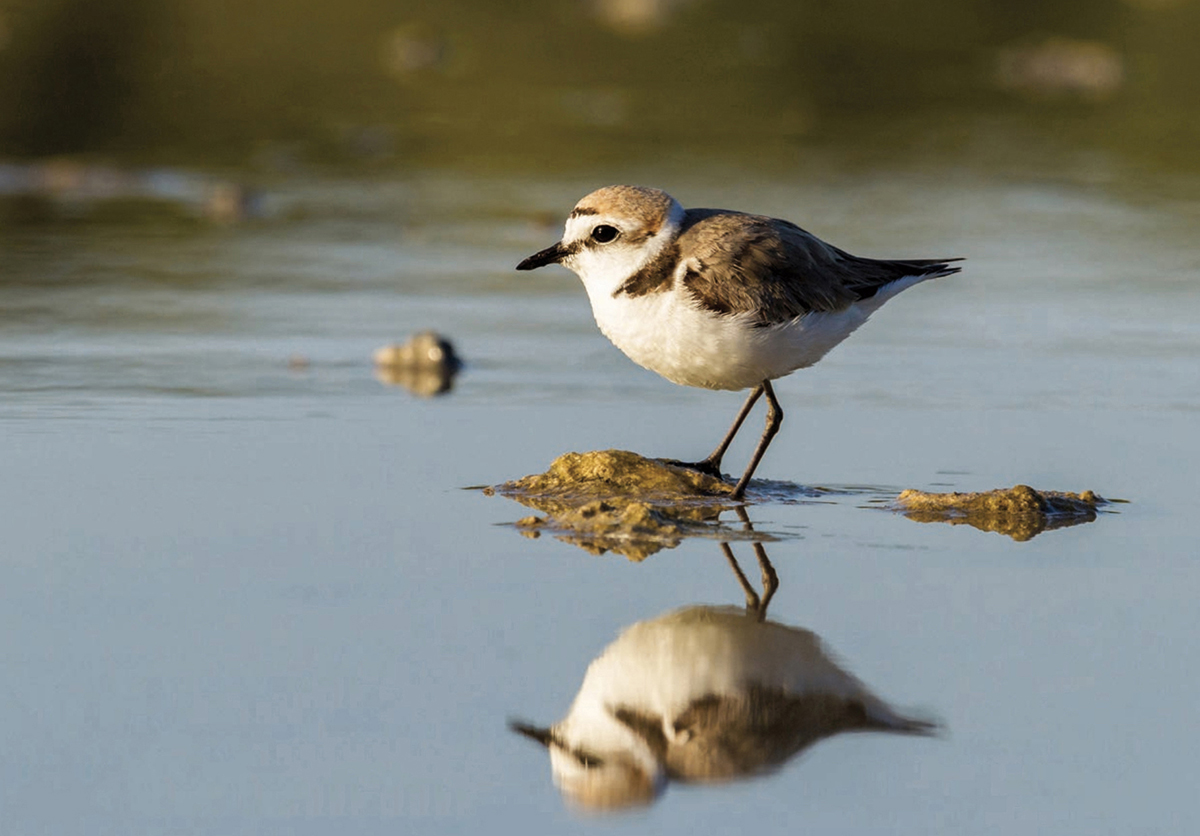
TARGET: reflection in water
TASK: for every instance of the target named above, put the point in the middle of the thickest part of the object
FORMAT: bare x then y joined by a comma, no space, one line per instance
704,694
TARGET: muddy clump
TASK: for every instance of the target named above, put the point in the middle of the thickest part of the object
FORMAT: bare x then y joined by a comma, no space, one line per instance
603,474
425,365
1019,512
614,500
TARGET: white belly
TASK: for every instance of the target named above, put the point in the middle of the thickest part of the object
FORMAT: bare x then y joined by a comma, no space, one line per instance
693,347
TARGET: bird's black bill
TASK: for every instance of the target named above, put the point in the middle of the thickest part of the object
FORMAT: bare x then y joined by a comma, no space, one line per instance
550,255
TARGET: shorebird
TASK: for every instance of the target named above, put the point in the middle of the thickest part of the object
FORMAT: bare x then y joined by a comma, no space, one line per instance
721,299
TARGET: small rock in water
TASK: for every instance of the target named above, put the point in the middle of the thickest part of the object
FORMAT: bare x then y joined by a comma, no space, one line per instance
425,365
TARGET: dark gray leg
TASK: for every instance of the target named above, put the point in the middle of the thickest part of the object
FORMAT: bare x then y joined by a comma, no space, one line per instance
714,458
712,464
774,419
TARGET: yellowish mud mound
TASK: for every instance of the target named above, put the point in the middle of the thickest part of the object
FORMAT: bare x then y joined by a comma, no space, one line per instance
614,500
1019,512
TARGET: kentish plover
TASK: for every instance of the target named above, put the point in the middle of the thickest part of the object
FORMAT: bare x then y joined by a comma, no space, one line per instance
720,299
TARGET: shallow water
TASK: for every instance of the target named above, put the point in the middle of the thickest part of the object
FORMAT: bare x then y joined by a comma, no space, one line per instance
246,596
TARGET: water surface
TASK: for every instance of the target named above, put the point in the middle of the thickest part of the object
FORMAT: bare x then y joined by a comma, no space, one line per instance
243,595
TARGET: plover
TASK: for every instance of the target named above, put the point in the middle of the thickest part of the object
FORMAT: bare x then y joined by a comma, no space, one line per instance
720,299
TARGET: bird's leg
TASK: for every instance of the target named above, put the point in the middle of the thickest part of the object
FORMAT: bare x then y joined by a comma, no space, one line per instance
774,419
712,463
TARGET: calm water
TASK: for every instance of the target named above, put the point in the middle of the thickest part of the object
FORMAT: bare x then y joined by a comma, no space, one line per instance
239,597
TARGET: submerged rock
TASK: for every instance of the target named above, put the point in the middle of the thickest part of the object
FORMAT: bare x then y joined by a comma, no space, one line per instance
614,500
1019,512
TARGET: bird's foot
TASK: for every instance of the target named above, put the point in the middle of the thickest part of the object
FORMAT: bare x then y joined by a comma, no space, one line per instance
707,466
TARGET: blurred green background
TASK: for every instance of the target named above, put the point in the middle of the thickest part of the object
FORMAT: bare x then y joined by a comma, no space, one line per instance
565,84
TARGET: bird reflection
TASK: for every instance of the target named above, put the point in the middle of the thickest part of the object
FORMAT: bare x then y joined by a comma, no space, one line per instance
704,694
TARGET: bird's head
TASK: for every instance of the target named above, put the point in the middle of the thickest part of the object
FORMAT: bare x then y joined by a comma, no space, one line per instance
612,234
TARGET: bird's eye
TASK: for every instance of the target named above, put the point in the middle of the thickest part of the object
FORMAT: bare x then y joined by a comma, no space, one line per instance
605,233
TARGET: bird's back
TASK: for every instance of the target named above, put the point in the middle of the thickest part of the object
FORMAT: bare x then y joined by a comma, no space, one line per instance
736,263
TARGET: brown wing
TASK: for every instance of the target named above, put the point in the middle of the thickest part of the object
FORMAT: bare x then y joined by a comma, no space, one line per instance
751,263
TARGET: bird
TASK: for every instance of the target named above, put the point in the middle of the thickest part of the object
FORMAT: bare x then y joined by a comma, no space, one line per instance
720,299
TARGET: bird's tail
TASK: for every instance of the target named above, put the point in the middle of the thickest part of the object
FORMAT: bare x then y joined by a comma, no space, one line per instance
930,268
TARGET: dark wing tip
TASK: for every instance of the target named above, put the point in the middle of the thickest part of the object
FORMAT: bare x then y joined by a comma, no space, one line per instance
932,267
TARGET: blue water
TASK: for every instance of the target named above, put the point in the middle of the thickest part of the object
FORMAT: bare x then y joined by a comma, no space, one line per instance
240,597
